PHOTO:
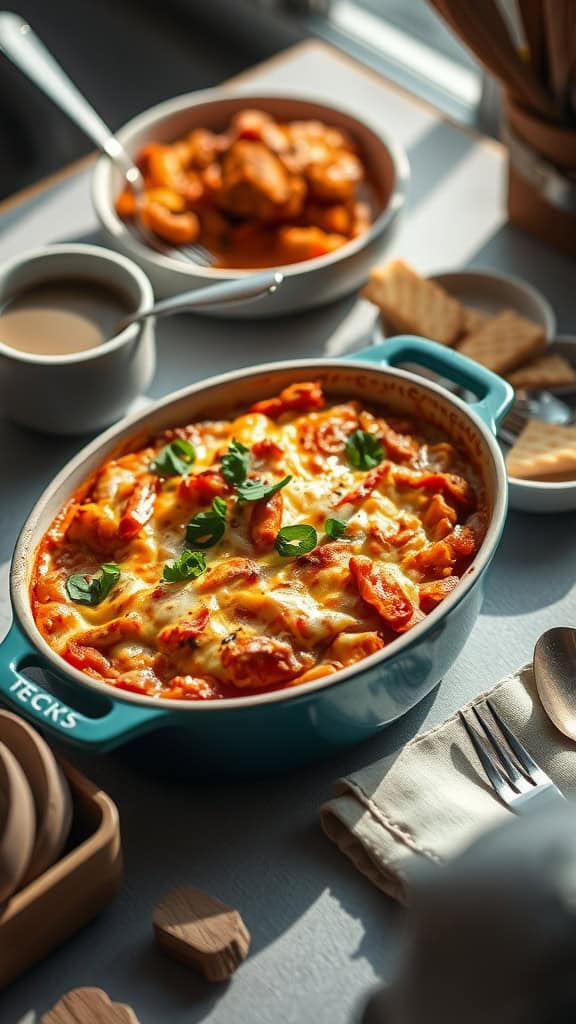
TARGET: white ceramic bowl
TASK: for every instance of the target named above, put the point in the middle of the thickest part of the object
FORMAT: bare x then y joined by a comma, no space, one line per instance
534,495
306,284
84,391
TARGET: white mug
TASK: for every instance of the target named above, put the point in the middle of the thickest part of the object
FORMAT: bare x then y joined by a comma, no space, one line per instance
83,391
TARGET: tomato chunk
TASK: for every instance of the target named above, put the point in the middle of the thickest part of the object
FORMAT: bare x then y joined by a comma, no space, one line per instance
179,634
139,509
380,589
368,484
262,661
203,487
300,397
266,521
431,594
228,572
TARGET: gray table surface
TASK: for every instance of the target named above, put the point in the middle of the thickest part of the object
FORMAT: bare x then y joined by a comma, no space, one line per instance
322,936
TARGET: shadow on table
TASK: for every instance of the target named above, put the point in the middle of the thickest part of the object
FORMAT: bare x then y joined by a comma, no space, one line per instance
539,547
257,845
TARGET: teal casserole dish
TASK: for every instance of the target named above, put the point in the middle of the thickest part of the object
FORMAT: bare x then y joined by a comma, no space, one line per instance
277,729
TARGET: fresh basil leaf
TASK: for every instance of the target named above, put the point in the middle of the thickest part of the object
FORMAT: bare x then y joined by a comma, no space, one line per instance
92,590
335,528
254,490
207,528
189,566
175,459
364,451
220,507
235,463
305,536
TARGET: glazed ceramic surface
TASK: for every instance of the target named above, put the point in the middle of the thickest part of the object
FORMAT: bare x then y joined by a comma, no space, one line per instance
306,284
280,728
84,391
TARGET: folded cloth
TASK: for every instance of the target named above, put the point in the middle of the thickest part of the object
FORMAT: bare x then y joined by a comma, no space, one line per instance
431,799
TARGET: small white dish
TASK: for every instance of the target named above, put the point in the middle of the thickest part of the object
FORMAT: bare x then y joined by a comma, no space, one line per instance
491,291
535,495
84,391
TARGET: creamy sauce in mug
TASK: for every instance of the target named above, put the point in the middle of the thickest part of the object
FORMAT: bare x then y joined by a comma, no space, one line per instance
62,317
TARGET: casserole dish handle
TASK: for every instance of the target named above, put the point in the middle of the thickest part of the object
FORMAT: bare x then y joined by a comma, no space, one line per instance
119,723
495,395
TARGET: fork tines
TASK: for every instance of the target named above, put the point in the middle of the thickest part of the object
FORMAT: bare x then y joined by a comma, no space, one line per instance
496,747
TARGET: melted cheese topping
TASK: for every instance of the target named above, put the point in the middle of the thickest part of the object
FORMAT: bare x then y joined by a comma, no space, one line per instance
255,620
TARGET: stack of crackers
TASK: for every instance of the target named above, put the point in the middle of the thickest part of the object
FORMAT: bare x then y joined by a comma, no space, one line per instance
506,343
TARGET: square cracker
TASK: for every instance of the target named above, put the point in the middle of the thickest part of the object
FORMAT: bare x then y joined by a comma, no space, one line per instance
543,449
505,342
474,319
412,303
547,371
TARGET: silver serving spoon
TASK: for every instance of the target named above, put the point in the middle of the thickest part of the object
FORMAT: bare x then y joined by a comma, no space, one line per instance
555,675
23,47
253,286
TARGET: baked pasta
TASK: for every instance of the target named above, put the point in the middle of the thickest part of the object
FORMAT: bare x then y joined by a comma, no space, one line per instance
231,557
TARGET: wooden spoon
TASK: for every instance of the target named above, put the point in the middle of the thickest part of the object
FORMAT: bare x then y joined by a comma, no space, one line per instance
50,791
484,31
89,1006
17,824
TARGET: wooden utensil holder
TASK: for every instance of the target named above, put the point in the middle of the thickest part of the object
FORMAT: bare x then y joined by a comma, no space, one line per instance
67,896
541,162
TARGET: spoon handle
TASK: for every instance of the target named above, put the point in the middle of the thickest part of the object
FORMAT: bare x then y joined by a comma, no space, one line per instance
250,287
23,47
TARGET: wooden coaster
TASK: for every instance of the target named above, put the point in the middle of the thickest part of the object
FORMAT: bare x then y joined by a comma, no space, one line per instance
89,1006
201,932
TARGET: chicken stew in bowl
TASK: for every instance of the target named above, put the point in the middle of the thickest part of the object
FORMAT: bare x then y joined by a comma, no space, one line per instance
261,193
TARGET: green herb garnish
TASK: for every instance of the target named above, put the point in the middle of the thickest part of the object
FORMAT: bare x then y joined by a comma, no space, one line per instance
175,459
364,451
189,566
335,528
235,463
254,490
305,536
207,528
92,590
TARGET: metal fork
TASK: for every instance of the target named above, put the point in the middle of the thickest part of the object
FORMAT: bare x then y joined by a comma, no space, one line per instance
517,780
541,405
23,47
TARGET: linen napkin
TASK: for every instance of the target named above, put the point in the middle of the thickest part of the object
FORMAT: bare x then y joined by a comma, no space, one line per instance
431,799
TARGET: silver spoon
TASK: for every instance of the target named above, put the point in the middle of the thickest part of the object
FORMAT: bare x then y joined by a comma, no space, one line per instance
23,47
253,286
555,675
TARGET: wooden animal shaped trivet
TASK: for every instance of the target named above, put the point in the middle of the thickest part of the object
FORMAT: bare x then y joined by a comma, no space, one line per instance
201,932
89,1006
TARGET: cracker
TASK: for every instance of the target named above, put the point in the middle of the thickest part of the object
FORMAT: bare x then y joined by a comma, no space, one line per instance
547,371
413,304
474,319
543,449
505,342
